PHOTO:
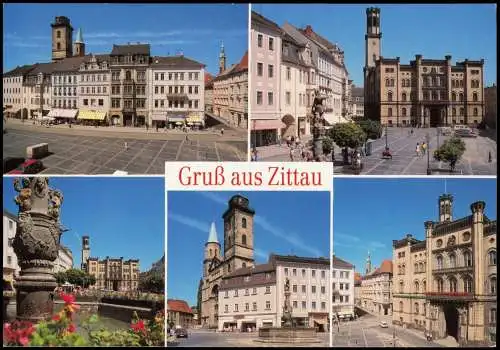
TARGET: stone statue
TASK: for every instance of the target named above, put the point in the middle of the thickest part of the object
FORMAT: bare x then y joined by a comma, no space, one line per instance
287,307
318,126
36,245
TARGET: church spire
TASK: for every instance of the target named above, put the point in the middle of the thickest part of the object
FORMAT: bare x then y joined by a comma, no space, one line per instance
79,37
222,58
212,237
368,268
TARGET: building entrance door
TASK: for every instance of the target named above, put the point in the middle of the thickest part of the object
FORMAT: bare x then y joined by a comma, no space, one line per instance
451,317
115,286
435,117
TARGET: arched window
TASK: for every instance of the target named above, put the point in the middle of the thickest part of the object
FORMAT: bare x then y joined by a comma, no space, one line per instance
421,267
454,112
400,306
392,82
493,285
389,96
439,262
434,95
403,96
426,95
416,308
453,260
244,222
453,96
461,97
244,239
416,267
58,34
416,286
493,316
403,112
492,257
59,46
401,286
424,286
475,112
433,79
210,253
424,309
468,283
403,268
128,75
387,82
453,284
467,258
474,97
439,285
243,265
461,111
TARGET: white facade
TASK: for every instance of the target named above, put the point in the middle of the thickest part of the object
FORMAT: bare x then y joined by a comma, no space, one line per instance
13,92
10,265
253,305
64,260
343,291
175,90
309,290
94,85
64,91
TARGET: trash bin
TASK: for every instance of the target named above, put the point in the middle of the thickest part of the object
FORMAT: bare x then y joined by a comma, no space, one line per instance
368,147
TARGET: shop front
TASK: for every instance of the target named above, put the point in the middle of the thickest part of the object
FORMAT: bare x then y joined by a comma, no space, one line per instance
176,120
195,121
92,117
265,132
62,116
159,120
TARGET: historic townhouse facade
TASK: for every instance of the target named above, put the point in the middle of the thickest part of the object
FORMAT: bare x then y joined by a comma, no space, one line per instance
64,259
265,41
357,102
38,90
114,274
295,67
209,93
447,283
10,265
94,89
342,289
376,289
177,86
490,106
13,91
230,93
426,92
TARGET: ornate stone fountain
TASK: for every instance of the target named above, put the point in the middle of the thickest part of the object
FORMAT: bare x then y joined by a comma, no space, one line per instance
36,245
288,332
318,129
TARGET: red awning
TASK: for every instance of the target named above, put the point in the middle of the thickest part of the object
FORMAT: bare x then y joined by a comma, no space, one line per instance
267,124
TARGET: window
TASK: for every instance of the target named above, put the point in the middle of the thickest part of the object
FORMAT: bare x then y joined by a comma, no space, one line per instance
313,273
341,286
475,112
247,307
259,97
268,305
403,96
493,285
236,292
400,306
304,305
492,257
294,272
453,284
453,260
346,298
468,285
288,97
260,69
313,305
294,288
259,40
254,291
236,307
439,262
226,308
244,239
303,272
403,112
85,102
271,44
416,308
58,33
474,97
323,274
286,271
303,288
270,98
467,259
268,290
439,285
9,259
270,71
244,223
313,289
288,73
323,290
389,112
101,102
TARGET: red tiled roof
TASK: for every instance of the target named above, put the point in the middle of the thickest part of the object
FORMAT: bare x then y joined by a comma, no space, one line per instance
244,62
178,306
208,77
386,266
357,276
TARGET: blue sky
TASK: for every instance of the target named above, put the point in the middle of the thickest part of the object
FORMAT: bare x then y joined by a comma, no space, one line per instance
295,223
195,29
124,216
464,31
369,213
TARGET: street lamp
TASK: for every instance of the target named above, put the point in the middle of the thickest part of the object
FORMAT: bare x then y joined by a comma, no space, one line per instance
427,138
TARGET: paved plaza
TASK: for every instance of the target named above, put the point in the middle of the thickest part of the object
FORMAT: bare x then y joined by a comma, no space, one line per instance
366,332
103,151
206,338
404,161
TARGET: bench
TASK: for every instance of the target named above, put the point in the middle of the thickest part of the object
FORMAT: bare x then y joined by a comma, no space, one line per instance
37,151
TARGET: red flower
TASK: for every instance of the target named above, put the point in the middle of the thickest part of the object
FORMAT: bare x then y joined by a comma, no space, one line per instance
71,328
56,317
24,341
138,326
68,298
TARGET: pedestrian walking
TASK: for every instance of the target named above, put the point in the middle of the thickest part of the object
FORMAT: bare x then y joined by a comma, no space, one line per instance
126,145
147,126
424,148
417,150
291,154
489,157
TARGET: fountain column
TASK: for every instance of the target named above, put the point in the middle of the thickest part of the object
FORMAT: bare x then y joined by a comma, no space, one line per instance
36,245
318,126
287,307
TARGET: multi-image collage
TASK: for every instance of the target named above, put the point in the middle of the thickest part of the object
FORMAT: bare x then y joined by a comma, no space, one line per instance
249,175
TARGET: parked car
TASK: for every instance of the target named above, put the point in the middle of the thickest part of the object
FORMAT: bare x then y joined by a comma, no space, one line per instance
10,163
181,333
465,133
384,324
30,166
445,130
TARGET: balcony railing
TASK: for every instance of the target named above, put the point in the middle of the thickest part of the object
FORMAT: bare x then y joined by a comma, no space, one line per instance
450,295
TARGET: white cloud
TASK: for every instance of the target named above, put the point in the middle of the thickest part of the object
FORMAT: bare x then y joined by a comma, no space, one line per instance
188,221
286,236
261,254
345,237
217,198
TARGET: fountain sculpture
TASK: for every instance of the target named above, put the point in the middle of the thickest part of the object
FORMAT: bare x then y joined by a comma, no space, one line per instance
318,126
288,332
36,245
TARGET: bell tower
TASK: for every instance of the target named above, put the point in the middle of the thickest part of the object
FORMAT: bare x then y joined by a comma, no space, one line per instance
62,38
445,207
368,267
222,59
85,252
373,37
79,45
212,249
238,234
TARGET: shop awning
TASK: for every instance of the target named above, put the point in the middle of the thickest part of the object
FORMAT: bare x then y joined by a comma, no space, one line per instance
195,119
91,115
63,113
159,117
11,110
176,118
320,321
267,124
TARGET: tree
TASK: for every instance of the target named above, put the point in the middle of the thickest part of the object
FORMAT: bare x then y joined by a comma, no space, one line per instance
372,128
152,282
327,145
450,151
347,135
76,277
